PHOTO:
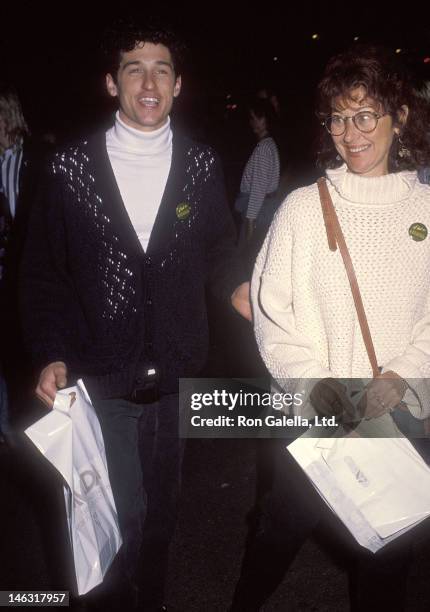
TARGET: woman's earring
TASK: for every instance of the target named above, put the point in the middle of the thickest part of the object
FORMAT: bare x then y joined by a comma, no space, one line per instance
338,157
403,151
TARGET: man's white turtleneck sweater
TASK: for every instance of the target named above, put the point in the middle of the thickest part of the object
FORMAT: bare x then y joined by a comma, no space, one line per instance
305,320
141,164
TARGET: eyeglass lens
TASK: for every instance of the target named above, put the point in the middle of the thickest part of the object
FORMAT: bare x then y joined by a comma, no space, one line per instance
365,122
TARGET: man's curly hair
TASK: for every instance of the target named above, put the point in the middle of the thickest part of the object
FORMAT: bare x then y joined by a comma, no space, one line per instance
125,35
385,80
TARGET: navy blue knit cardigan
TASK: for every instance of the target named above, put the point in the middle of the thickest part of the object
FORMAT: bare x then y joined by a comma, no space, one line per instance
93,298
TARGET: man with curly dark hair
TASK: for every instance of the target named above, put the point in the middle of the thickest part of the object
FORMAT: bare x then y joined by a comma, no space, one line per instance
133,224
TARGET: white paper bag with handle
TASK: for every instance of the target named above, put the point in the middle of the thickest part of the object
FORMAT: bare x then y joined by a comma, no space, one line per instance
379,488
70,437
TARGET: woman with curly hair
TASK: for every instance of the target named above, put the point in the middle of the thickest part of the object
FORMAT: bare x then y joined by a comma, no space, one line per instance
373,140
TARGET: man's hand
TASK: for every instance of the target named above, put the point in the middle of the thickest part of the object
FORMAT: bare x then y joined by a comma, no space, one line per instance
52,378
383,394
241,301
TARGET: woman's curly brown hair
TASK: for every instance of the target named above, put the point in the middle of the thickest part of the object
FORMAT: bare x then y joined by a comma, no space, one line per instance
386,81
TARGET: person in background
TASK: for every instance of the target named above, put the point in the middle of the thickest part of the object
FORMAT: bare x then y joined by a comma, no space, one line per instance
373,140
4,409
268,93
132,225
15,167
258,198
4,232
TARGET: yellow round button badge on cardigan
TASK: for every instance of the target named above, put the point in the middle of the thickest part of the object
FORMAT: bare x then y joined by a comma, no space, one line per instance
183,211
418,232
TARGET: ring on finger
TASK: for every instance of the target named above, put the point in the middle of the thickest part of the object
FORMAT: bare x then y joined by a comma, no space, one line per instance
379,400
337,405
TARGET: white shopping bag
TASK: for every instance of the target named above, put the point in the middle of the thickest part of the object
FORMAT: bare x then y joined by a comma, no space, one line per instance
70,438
378,487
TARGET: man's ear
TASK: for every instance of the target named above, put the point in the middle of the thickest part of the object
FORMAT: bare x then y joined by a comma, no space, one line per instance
177,88
111,86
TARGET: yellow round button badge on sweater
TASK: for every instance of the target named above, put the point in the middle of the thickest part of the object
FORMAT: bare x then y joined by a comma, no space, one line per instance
418,232
183,211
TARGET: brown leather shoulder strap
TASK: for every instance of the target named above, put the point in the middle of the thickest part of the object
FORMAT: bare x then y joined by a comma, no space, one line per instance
325,205
335,237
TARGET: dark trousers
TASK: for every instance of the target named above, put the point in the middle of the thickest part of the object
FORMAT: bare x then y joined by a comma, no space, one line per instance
290,513
144,457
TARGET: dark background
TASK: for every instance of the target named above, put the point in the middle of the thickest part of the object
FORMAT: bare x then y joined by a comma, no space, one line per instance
50,52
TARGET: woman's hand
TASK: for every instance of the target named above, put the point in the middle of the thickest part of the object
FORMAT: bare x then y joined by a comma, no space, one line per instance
249,229
383,394
329,397
241,301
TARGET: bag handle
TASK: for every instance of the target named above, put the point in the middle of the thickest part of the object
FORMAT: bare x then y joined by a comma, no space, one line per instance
336,239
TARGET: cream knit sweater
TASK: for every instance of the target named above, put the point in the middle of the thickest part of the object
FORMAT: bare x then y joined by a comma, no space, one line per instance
305,320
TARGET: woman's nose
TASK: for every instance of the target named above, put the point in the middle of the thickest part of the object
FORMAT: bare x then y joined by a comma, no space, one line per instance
350,129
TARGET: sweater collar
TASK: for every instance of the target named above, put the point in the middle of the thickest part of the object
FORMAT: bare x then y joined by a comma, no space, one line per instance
157,142
387,189
166,222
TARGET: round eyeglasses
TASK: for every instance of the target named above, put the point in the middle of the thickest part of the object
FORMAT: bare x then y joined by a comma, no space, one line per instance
365,121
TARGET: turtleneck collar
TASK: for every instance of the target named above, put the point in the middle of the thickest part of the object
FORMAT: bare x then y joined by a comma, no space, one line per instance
387,189
157,142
